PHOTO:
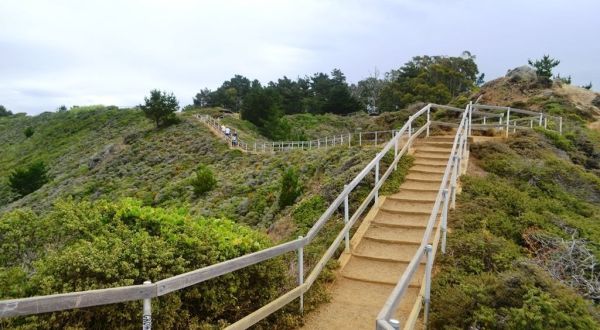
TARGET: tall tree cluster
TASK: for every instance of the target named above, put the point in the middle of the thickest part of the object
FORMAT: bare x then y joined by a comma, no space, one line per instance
265,105
436,79
319,93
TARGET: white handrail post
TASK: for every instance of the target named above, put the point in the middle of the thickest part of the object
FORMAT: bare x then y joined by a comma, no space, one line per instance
346,219
530,123
254,146
453,181
545,122
326,142
396,138
360,138
409,126
349,139
470,116
444,219
514,126
147,311
428,269
375,137
560,125
484,120
428,119
541,116
301,273
376,180
507,120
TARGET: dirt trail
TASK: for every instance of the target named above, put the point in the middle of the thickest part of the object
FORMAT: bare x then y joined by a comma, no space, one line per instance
383,246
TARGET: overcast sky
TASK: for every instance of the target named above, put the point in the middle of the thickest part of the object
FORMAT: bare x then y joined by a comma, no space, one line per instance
114,51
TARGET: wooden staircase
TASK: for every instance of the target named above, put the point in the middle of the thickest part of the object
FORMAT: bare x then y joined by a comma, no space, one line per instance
384,244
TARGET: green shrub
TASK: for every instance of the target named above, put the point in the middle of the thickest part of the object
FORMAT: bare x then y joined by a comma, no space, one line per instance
307,213
289,188
396,178
24,181
28,132
83,246
204,181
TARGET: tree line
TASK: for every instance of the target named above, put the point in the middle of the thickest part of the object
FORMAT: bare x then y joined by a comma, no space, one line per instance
424,78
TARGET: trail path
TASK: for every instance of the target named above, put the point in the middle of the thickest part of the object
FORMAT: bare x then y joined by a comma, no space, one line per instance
383,246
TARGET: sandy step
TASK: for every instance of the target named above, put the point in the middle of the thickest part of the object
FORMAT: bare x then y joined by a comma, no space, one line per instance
394,206
414,195
442,144
395,235
431,162
419,185
374,271
357,304
427,169
444,151
376,250
425,177
440,138
388,219
430,155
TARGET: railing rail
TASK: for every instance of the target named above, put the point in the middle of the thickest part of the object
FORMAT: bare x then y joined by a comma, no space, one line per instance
400,142
451,173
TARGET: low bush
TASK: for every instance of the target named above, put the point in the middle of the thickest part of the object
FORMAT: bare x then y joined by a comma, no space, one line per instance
290,188
24,181
204,180
83,246
28,132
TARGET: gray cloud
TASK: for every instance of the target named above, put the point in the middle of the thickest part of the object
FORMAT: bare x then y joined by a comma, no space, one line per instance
114,52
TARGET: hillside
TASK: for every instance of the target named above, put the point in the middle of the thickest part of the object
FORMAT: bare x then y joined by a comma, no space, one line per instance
110,154
524,248
106,156
112,175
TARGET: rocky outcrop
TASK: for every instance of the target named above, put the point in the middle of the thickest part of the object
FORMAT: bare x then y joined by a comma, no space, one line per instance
522,73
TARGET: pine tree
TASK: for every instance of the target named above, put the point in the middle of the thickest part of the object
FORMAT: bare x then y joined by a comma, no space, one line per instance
544,66
160,107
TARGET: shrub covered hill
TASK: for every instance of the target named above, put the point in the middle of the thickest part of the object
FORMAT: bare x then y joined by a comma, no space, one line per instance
120,206
524,251
122,202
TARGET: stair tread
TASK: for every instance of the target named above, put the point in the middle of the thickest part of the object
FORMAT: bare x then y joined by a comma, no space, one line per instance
374,271
375,249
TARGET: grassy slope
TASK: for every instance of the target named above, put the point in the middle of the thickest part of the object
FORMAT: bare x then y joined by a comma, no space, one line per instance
64,141
154,166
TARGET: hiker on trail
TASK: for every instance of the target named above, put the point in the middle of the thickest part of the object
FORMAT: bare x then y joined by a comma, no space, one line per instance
227,131
222,128
234,140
